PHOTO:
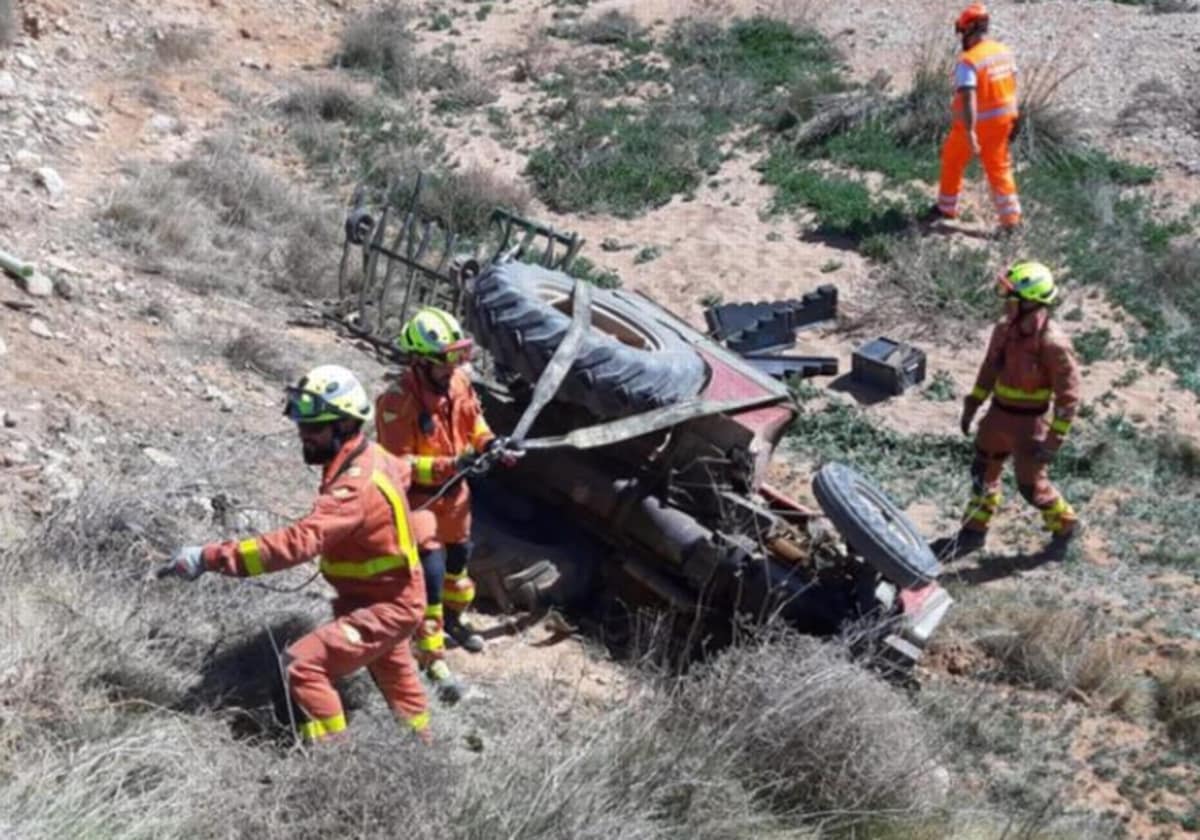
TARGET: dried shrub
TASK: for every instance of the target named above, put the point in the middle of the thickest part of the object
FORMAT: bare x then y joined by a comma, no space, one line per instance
612,27
253,349
380,42
181,44
1179,704
222,220
325,101
8,23
465,200
1049,126
1057,648
783,708
459,88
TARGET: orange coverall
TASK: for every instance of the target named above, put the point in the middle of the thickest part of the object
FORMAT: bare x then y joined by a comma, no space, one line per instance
991,65
359,527
432,430
1029,361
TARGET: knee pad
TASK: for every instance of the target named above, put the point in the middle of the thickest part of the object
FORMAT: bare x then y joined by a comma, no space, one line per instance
433,564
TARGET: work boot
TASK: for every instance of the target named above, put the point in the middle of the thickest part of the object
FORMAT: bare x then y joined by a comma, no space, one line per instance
463,634
966,541
933,214
449,689
1060,543
1007,232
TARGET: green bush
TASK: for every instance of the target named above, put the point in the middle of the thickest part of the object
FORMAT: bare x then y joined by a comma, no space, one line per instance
620,161
843,206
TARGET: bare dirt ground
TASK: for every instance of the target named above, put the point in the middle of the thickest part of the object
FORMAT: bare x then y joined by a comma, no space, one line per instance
128,356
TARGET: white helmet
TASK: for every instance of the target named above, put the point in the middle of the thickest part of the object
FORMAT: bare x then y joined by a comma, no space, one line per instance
325,394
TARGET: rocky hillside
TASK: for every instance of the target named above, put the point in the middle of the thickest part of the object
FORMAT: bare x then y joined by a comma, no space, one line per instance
176,171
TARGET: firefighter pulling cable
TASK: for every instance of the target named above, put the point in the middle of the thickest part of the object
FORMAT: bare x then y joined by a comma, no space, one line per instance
431,417
361,529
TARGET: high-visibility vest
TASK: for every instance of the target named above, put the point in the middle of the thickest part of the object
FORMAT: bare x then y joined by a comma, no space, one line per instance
995,82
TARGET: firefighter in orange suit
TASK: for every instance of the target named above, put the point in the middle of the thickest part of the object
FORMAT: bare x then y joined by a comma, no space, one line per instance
361,530
1029,366
984,114
431,416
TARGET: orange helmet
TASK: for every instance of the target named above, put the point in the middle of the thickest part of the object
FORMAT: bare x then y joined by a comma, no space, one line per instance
974,14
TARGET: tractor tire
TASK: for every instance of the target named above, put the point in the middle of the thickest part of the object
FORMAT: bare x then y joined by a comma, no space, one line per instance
629,362
874,526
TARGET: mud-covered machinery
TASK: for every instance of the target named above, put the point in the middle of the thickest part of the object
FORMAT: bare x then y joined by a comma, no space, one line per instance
645,477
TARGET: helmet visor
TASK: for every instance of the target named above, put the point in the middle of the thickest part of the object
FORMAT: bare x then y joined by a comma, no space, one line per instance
305,407
456,354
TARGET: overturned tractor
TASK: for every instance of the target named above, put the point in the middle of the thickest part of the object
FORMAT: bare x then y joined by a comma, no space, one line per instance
648,444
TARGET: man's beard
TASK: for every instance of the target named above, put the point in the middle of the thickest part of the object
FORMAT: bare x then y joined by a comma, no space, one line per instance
317,454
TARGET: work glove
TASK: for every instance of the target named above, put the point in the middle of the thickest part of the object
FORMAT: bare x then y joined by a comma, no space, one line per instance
468,463
187,563
969,409
507,451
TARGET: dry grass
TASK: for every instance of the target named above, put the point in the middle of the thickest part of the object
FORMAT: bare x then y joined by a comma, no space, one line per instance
253,349
326,101
1179,704
222,221
1056,648
465,200
1174,7
8,23
379,42
127,717
459,88
1048,124
181,44
612,27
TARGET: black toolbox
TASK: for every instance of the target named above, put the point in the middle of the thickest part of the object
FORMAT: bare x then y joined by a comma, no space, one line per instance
891,366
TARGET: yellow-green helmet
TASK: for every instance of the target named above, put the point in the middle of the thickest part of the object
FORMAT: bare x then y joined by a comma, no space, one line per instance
325,394
435,334
1030,281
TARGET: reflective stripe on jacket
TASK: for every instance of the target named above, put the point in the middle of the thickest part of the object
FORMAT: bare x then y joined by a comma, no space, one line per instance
430,429
359,526
995,81
1030,361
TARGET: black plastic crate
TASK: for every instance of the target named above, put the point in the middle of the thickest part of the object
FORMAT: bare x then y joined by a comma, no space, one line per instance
891,366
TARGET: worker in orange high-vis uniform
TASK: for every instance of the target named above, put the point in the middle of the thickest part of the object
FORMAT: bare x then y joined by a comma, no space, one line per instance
431,416
1029,366
983,117
361,530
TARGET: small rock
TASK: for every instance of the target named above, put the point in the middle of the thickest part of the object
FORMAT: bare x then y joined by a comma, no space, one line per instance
3,347
26,61
79,118
159,457
27,160
8,84
162,124
9,421
37,284
65,288
40,328
214,394
48,178
246,33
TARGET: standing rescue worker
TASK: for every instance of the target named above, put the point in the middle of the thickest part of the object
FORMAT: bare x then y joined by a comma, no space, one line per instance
1028,366
983,118
432,417
361,530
